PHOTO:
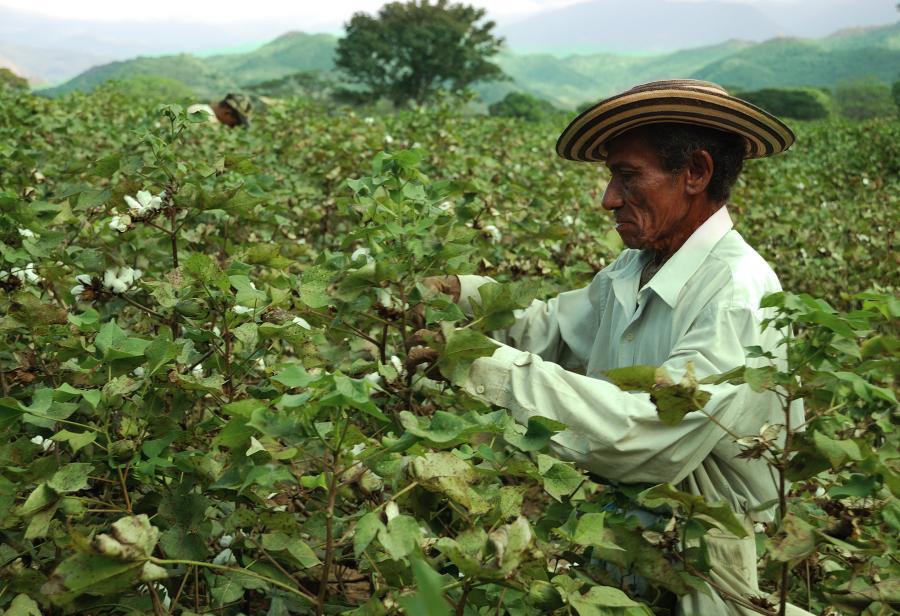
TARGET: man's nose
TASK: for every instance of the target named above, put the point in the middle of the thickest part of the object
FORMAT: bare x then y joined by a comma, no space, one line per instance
612,199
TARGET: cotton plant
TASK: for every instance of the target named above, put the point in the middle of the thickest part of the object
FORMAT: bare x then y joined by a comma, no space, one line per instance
25,275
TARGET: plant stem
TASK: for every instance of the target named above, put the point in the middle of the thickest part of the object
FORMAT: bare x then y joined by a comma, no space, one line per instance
240,570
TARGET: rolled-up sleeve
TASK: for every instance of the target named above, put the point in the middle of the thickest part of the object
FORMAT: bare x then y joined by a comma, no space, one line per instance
618,434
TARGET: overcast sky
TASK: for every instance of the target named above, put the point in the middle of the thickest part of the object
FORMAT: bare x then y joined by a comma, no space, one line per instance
308,12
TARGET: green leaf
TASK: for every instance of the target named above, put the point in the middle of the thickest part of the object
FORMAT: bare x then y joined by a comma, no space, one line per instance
70,478
590,531
599,599
293,375
91,573
314,287
429,597
838,452
400,538
463,347
795,540
857,486
559,479
23,605
537,436
368,527
718,514
445,473
497,302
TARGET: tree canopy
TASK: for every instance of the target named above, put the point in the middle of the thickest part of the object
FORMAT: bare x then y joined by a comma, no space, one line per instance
411,50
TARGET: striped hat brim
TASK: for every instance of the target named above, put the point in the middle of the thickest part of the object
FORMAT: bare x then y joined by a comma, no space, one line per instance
684,101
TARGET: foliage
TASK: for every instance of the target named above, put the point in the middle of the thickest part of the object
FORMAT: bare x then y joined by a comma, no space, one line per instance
522,106
865,98
205,393
797,103
410,50
895,94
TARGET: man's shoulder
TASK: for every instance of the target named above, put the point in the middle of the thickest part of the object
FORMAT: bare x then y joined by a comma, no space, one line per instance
749,275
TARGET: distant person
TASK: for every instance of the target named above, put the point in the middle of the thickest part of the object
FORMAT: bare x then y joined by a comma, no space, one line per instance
233,110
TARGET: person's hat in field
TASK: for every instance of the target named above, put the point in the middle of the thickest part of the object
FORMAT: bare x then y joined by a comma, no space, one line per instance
685,101
241,105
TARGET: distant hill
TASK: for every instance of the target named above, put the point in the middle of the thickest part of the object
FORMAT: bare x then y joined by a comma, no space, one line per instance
294,52
46,65
566,82
647,26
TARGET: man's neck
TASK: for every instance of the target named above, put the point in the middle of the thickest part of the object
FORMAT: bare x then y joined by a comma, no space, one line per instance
698,214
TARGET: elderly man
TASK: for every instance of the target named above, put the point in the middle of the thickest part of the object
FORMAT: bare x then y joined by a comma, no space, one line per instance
233,110
687,291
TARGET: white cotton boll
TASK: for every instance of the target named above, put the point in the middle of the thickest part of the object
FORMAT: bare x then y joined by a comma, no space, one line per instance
357,449
568,220
391,510
374,378
120,223
388,139
138,372
27,233
445,206
197,371
397,364
226,540
225,558
820,492
261,363
216,330
241,309
37,440
27,274
369,120
47,444
493,232
384,298
865,181
301,322
76,291
84,279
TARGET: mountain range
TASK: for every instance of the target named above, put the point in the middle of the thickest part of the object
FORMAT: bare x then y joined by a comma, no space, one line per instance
567,81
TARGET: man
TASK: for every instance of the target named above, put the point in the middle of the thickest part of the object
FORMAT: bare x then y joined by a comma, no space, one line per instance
233,110
686,292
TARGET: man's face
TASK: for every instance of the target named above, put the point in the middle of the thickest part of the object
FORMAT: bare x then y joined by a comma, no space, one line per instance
649,203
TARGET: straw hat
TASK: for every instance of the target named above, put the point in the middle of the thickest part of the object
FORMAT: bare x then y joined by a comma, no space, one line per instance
686,101
241,105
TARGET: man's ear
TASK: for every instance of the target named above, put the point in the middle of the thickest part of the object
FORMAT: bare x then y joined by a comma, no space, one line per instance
698,172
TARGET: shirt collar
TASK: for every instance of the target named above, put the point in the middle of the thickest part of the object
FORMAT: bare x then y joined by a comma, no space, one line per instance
674,274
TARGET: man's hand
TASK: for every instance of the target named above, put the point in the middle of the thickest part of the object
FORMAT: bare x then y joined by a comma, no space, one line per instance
422,351
448,285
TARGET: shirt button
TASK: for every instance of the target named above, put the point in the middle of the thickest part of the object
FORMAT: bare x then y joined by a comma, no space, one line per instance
629,336
479,389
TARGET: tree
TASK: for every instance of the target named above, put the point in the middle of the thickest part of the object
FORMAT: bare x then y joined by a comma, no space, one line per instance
409,51
797,103
864,98
523,106
895,93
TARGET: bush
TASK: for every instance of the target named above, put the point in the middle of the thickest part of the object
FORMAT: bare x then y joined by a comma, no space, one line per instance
796,103
864,98
523,106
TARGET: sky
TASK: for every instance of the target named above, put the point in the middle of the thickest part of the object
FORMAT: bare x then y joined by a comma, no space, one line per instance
309,12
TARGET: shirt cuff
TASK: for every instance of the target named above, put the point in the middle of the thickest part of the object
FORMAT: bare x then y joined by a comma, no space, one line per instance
489,377
468,288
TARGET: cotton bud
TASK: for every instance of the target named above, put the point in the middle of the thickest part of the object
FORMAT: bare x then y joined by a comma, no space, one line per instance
391,510
225,557
301,322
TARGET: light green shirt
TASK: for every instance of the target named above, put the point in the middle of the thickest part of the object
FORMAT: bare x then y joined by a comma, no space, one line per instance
701,307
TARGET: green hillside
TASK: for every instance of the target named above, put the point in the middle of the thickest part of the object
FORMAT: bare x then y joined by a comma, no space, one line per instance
567,82
293,52
194,72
